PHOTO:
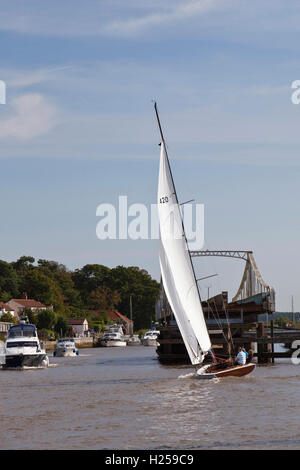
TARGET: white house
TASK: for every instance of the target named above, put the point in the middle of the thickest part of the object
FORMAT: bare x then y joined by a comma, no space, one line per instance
5,308
79,326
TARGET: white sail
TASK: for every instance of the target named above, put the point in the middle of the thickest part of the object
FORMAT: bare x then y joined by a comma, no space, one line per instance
176,267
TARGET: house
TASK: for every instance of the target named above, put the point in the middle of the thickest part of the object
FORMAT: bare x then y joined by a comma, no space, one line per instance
79,326
18,306
4,308
117,317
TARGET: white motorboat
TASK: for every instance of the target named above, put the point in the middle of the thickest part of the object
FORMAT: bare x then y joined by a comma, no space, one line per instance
113,337
150,338
65,347
134,340
23,349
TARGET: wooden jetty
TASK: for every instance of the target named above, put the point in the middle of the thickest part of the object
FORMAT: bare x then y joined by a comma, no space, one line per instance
230,324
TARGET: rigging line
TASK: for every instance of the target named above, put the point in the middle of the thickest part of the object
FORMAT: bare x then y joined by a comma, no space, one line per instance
221,327
225,310
218,320
228,324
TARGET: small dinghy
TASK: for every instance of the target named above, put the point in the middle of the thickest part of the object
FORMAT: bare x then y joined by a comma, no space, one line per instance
179,278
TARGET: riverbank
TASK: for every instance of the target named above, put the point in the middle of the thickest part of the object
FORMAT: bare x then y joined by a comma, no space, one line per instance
80,343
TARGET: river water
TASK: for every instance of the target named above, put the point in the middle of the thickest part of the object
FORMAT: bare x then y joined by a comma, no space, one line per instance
122,398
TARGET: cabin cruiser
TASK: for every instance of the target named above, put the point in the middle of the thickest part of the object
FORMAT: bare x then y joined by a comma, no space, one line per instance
23,349
113,337
150,338
133,340
65,347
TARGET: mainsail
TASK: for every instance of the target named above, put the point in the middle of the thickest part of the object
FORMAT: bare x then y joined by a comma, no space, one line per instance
176,267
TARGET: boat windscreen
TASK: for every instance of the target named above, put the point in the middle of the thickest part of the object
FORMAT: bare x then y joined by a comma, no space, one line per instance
22,344
22,330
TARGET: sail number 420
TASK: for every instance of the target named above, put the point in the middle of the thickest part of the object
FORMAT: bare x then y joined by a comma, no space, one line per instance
164,199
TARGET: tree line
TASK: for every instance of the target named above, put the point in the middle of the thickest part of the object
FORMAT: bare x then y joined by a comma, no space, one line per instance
86,292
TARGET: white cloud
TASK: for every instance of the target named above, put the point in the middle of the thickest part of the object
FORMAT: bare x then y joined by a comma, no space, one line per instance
32,116
88,18
25,78
177,13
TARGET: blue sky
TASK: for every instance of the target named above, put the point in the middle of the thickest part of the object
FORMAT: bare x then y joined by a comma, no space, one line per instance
78,128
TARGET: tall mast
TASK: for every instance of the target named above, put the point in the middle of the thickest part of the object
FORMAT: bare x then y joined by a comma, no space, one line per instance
183,231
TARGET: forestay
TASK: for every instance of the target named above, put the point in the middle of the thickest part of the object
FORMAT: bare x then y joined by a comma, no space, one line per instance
176,267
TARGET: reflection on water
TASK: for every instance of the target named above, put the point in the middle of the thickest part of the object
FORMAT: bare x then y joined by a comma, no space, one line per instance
108,398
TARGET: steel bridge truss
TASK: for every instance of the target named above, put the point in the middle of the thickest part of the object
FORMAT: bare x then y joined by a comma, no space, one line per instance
252,282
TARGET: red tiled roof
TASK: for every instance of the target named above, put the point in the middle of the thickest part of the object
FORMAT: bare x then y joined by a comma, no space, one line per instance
5,306
114,315
29,303
76,321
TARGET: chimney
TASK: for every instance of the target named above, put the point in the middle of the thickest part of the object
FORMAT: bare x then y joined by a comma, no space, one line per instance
24,296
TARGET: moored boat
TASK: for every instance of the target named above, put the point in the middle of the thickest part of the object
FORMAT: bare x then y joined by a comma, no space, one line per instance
23,349
150,338
134,340
112,340
113,337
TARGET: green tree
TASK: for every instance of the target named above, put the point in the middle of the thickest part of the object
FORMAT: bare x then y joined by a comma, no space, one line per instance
40,287
88,278
46,319
61,326
135,282
23,263
8,317
9,281
103,298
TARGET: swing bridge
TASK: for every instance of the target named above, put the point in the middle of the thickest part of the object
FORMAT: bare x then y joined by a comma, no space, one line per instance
252,283
230,324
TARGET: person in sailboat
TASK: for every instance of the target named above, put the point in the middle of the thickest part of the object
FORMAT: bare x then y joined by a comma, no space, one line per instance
250,356
240,359
244,350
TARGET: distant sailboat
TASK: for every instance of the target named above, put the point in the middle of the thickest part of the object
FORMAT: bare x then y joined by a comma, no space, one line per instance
179,279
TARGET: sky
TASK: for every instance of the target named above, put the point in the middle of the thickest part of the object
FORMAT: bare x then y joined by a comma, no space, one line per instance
78,129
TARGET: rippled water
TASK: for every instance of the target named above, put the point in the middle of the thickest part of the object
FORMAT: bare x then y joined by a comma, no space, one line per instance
122,398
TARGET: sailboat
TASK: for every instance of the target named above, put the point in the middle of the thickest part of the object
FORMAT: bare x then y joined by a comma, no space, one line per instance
179,280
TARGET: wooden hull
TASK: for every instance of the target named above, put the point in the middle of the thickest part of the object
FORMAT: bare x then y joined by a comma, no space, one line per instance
231,371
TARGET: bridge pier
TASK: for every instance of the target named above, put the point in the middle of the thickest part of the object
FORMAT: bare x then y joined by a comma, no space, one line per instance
262,347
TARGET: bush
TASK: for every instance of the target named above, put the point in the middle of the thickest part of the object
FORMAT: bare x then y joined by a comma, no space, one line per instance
8,317
46,335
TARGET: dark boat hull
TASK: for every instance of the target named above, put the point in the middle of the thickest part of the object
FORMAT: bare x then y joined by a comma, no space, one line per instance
27,360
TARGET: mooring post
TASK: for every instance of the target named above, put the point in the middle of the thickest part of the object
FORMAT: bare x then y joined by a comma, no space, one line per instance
229,342
272,338
260,333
